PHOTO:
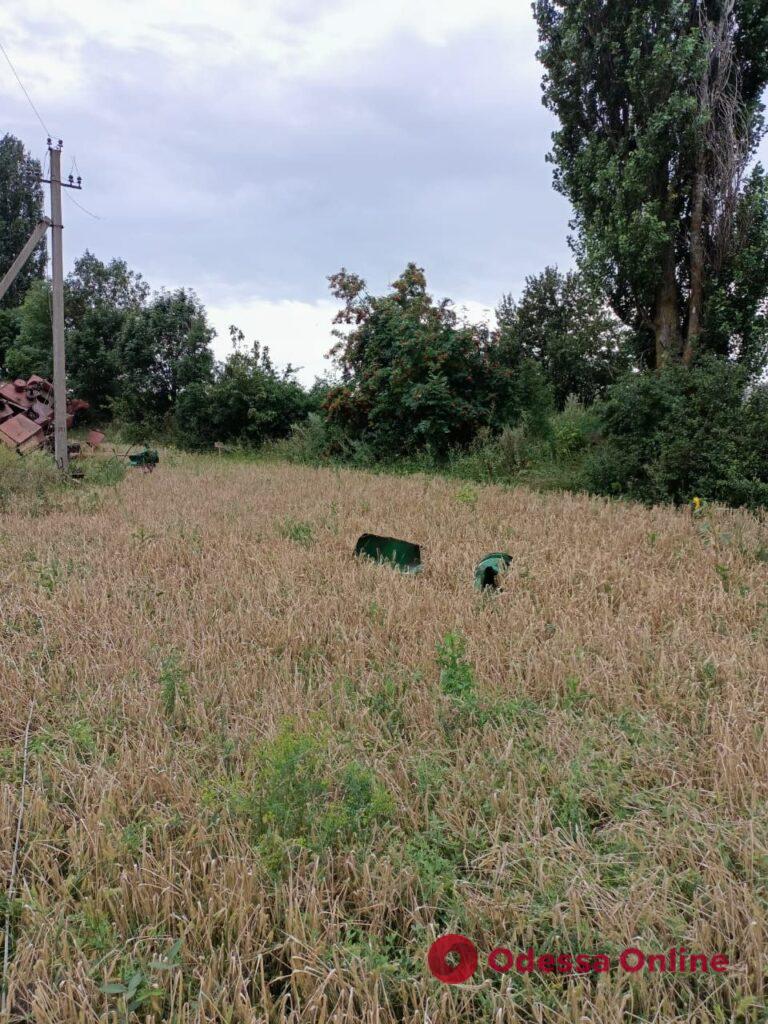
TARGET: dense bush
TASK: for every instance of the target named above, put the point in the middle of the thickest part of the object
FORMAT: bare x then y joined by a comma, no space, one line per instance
9,334
546,453
682,432
314,440
247,401
414,377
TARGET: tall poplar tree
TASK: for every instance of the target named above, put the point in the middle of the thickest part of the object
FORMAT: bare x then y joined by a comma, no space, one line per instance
660,111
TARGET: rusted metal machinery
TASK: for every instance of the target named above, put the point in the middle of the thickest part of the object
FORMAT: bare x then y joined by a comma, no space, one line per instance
26,413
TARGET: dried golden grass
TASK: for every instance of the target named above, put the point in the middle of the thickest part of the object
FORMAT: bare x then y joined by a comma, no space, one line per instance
241,742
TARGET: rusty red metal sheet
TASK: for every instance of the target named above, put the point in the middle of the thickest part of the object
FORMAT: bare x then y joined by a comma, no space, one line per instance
21,433
26,412
95,438
18,398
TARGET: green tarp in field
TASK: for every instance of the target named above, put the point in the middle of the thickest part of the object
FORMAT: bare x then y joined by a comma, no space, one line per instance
490,569
399,553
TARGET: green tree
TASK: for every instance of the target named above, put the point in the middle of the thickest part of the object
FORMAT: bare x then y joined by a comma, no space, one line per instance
21,208
562,325
520,387
99,297
9,335
164,349
32,351
660,112
682,432
413,376
736,311
248,401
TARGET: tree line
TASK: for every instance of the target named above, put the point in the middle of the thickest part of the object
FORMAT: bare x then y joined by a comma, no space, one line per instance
141,358
639,373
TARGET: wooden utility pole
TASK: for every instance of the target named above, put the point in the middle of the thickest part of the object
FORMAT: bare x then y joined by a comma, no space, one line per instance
61,452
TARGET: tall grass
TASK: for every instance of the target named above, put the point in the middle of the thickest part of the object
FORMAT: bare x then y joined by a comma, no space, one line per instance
32,485
29,482
264,776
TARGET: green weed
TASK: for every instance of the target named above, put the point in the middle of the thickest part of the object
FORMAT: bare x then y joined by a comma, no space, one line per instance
457,677
300,797
297,530
175,692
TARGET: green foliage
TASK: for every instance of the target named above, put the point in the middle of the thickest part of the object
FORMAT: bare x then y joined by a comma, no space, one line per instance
138,990
438,861
246,401
467,495
648,101
548,456
31,482
32,351
83,739
413,376
679,433
736,312
316,441
297,530
175,692
457,677
574,429
98,298
104,472
300,797
9,335
21,208
562,326
163,350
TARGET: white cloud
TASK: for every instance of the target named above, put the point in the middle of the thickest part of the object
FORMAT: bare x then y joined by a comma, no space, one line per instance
296,332
299,332
295,39
248,148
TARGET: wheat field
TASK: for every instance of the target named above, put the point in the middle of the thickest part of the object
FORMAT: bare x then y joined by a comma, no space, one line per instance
262,777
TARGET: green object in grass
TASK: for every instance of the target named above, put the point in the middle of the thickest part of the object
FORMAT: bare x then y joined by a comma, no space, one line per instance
489,570
398,553
147,457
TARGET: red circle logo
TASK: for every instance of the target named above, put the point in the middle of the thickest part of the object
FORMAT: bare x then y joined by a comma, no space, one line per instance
465,952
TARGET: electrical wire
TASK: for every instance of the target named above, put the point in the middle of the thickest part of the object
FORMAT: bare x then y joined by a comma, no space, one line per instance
80,206
29,98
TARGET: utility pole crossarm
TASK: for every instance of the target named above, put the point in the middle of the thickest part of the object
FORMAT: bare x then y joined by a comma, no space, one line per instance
32,242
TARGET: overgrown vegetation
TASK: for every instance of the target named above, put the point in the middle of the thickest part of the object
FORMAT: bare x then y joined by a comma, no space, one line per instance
32,485
559,392
264,776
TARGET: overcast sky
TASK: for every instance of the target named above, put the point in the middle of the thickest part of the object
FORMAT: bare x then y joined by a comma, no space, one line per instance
249,148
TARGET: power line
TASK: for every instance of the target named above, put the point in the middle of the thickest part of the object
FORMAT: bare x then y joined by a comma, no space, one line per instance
80,207
29,98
